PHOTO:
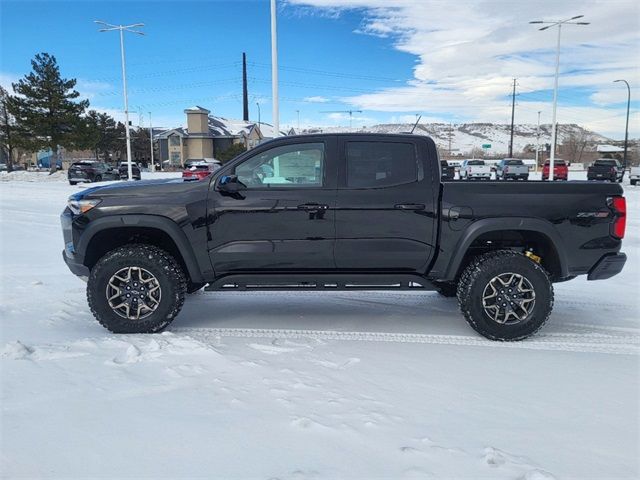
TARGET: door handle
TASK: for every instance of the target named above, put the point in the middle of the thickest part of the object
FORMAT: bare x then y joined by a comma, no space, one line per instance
313,207
410,206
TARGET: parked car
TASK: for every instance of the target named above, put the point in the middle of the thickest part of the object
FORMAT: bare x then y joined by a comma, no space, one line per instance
199,170
123,171
606,169
474,170
87,171
341,212
512,169
447,172
634,175
560,170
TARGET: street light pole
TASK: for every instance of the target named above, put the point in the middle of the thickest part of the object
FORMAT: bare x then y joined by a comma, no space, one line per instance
122,29
537,141
274,70
258,105
153,165
626,129
559,23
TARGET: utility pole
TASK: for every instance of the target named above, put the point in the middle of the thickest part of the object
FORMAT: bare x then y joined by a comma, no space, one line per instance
626,129
153,165
274,70
122,29
258,105
537,140
558,23
245,94
298,112
513,111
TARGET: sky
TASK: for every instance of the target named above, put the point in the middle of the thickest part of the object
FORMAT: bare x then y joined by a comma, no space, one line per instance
384,60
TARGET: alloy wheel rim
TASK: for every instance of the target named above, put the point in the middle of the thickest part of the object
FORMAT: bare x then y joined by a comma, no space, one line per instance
509,298
133,293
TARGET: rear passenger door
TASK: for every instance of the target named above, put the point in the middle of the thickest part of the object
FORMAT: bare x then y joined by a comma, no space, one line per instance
386,203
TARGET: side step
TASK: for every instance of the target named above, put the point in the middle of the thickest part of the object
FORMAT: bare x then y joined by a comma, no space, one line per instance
323,281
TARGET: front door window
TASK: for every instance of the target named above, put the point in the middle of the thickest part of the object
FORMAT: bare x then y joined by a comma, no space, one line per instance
300,165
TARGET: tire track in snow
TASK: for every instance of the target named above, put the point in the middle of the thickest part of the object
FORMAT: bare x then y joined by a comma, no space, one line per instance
566,342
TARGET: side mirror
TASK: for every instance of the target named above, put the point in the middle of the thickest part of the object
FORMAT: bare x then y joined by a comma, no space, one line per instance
230,184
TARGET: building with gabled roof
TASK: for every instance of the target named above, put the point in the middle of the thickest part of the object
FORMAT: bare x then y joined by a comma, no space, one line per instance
206,136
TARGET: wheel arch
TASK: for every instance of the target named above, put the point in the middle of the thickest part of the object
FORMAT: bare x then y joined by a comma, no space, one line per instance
105,234
510,232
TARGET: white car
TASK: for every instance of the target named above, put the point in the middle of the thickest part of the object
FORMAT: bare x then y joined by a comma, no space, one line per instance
475,169
634,175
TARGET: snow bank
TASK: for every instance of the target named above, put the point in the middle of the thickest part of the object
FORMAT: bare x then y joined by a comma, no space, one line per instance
25,176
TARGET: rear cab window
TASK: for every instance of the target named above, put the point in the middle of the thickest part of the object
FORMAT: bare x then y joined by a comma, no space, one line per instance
380,164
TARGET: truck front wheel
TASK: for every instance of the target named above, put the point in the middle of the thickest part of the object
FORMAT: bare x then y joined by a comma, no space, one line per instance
505,295
136,288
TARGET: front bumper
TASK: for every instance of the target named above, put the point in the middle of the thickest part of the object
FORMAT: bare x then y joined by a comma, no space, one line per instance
76,268
609,265
69,254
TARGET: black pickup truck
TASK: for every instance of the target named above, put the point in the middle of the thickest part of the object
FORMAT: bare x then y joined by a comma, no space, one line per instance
606,169
341,212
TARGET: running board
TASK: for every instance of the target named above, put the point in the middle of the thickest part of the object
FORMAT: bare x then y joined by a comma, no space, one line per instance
401,281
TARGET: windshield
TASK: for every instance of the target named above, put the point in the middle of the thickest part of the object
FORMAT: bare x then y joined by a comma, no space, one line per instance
605,163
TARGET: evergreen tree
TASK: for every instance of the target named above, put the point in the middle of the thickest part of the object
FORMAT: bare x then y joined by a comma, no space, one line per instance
46,107
9,134
98,133
232,152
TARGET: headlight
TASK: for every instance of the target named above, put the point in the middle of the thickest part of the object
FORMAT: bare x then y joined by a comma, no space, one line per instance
82,205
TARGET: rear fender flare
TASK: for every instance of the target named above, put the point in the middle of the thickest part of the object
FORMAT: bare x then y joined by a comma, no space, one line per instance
480,227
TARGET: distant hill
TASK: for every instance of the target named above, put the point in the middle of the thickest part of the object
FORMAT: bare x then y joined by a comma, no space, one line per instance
466,136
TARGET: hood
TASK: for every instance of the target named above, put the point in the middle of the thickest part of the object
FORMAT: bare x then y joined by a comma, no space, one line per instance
143,187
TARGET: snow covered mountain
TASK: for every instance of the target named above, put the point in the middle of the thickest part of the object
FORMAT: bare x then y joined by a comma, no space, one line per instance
467,136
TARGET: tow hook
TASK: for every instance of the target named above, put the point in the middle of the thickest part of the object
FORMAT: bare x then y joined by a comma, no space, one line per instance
533,256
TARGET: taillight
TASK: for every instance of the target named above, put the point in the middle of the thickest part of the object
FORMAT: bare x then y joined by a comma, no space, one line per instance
619,225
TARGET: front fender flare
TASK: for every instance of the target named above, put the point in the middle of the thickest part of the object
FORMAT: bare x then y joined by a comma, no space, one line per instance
151,221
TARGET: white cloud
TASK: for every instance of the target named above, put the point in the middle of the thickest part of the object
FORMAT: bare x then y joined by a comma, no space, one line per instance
468,52
316,99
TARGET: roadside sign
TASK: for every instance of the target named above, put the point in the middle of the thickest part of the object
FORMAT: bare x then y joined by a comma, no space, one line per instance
486,145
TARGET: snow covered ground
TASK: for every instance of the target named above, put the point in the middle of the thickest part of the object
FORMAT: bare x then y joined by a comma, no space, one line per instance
306,385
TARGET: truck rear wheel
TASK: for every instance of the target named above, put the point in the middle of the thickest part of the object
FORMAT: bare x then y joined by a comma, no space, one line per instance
136,288
505,296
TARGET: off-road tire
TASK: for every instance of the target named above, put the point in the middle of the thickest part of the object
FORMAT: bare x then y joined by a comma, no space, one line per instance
480,272
97,178
163,266
446,289
73,183
633,182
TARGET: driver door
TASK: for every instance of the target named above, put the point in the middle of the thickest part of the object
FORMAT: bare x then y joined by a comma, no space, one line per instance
283,217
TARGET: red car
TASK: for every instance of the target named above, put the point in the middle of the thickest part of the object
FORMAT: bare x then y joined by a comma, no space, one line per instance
560,170
199,170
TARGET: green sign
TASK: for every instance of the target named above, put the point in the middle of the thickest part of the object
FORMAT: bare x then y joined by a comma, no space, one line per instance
486,145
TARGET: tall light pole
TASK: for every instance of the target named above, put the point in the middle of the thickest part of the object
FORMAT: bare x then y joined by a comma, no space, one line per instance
258,105
559,23
153,165
274,70
122,28
626,129
538,140
298,112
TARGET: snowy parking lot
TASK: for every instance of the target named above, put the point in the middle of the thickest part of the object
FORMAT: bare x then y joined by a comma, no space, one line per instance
330,385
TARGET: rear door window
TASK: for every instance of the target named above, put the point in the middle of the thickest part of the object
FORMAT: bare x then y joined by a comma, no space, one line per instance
380,164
